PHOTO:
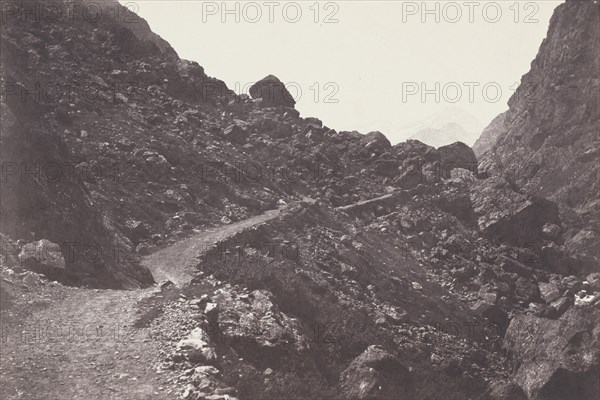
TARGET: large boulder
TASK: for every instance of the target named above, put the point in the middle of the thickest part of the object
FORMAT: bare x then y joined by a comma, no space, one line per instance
376,142
507,215
457,155
255,323
197,347
42,256
272,92
557,359
376,374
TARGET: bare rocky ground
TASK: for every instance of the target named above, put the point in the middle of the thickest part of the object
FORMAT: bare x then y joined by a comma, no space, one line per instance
84,343
241,320
248,252
127,344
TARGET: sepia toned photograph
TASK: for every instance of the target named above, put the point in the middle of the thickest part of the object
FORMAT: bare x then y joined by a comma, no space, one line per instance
300,200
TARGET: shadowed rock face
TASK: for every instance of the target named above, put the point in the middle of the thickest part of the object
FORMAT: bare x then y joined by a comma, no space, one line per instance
557,360
43,196
548,144
508,215
272,92
376,374
43,256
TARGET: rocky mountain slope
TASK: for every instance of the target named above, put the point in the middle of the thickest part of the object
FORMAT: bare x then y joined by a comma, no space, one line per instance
290,260
151,144
548,144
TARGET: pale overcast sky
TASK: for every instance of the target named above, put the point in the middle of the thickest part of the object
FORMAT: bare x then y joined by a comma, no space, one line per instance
363,65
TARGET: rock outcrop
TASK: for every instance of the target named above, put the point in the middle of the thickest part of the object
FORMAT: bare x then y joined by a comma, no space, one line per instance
42,256
557,359
272,92
508,215
376,141
254,319
548,144
457,155
376,374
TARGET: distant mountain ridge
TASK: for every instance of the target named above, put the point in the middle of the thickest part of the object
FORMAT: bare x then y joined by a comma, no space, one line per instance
452,124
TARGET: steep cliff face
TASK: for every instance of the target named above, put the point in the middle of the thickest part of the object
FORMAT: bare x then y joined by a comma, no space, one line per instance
43,197
549,143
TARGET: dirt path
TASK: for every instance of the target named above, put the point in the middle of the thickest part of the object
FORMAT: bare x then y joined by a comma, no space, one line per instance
84,345
184,254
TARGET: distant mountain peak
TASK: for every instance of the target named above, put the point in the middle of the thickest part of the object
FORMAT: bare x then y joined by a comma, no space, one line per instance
451,124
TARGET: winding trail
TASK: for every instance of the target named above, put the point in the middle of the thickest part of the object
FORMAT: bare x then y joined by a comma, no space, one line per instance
177,262
84,344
